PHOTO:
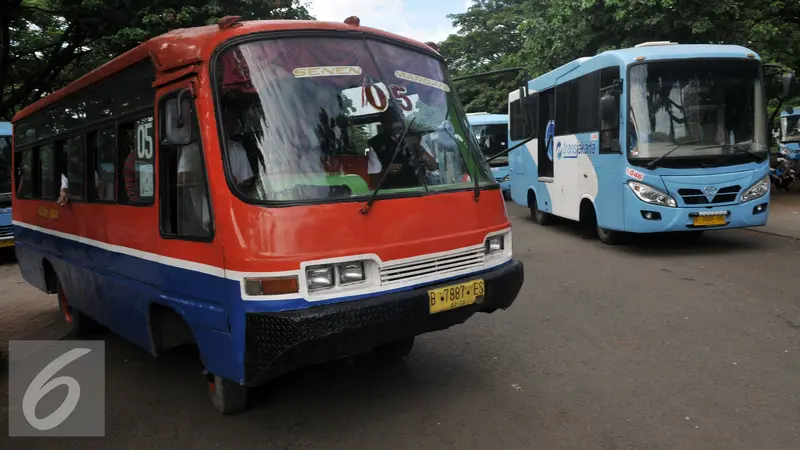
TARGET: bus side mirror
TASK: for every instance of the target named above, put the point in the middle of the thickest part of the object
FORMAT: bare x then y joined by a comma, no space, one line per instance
177,120
609,108
789,85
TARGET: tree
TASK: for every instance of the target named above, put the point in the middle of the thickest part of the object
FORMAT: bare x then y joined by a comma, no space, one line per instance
47,44
544,34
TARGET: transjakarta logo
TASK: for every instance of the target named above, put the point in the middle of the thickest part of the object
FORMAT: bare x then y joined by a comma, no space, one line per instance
549,135
573,150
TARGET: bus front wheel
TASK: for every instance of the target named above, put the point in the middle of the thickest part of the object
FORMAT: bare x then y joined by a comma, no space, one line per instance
610,237
396,350
539,216
226,396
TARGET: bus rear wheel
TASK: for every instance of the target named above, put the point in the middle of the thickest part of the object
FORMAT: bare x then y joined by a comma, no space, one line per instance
79,323
226,396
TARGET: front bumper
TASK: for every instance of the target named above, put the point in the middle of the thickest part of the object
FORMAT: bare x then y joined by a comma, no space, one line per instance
737,215
282,341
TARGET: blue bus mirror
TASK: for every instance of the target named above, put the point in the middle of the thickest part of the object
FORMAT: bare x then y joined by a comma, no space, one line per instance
789,84
608,107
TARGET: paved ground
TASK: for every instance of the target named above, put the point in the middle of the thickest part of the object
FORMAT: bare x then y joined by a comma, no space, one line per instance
784,215
24,310
656,345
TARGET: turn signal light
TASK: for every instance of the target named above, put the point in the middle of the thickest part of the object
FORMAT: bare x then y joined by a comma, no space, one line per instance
271,286
353,21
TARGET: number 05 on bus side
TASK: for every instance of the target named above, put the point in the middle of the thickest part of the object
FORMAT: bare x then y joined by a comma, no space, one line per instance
455,296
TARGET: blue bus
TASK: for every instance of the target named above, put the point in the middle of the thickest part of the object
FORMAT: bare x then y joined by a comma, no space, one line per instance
789,146
6,232
491,131
660,137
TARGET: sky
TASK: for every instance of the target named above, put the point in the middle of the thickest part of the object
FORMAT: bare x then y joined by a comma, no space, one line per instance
424,20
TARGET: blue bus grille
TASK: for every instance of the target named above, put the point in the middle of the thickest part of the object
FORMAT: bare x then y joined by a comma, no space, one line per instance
6,231
697,197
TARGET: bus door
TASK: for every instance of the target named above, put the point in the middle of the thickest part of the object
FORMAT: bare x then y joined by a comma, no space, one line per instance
187,223
545,124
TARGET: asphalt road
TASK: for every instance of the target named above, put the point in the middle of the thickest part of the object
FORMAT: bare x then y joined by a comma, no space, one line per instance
652,345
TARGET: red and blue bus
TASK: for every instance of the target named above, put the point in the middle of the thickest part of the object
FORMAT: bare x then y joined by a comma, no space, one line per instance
262,190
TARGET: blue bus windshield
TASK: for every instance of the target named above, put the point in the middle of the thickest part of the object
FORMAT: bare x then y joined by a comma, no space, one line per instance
790,128
700,109
493,139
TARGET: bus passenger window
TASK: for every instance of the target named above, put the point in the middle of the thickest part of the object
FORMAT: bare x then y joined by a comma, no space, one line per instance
136,157
184,203
24,178
46,162
73,166
102,146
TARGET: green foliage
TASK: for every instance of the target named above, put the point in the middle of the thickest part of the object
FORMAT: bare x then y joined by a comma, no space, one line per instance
541,35
45,44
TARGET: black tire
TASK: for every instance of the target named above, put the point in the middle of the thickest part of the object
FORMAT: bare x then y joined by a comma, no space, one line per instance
79,323
506,195
609,237
226,396
394,351
542,218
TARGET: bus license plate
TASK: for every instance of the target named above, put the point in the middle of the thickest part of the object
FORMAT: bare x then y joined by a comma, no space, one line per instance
709,221
455,296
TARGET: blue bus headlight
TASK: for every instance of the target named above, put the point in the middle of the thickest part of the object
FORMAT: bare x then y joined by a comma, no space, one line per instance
504,179
649,194
757,190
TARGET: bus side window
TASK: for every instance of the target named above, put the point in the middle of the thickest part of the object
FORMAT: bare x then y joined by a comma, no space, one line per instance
24,160
185,203
72,166
136,160
101,147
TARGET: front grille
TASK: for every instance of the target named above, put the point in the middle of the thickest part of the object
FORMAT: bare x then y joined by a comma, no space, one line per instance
454,262
6,231
697,197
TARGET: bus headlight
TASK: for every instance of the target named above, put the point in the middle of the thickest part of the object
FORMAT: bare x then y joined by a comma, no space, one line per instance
505,178
757,190
649,194
495,244
351,272
319,277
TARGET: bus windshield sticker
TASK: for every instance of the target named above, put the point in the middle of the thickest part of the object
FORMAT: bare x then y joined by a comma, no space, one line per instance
326,71
421,80
146,180
634,174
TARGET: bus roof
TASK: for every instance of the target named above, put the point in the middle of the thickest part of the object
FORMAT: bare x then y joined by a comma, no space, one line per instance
5,129
795,112
186,47
626,56
487,119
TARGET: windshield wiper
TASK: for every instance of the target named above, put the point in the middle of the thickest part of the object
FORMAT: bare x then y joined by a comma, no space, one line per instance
397,147
654,163
736,147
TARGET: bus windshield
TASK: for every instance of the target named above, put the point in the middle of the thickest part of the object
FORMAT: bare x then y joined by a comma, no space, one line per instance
5,166
704,112
492,139
790,128
315,119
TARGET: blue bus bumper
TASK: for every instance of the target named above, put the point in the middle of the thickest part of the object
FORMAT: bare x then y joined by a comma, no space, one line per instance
663,219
